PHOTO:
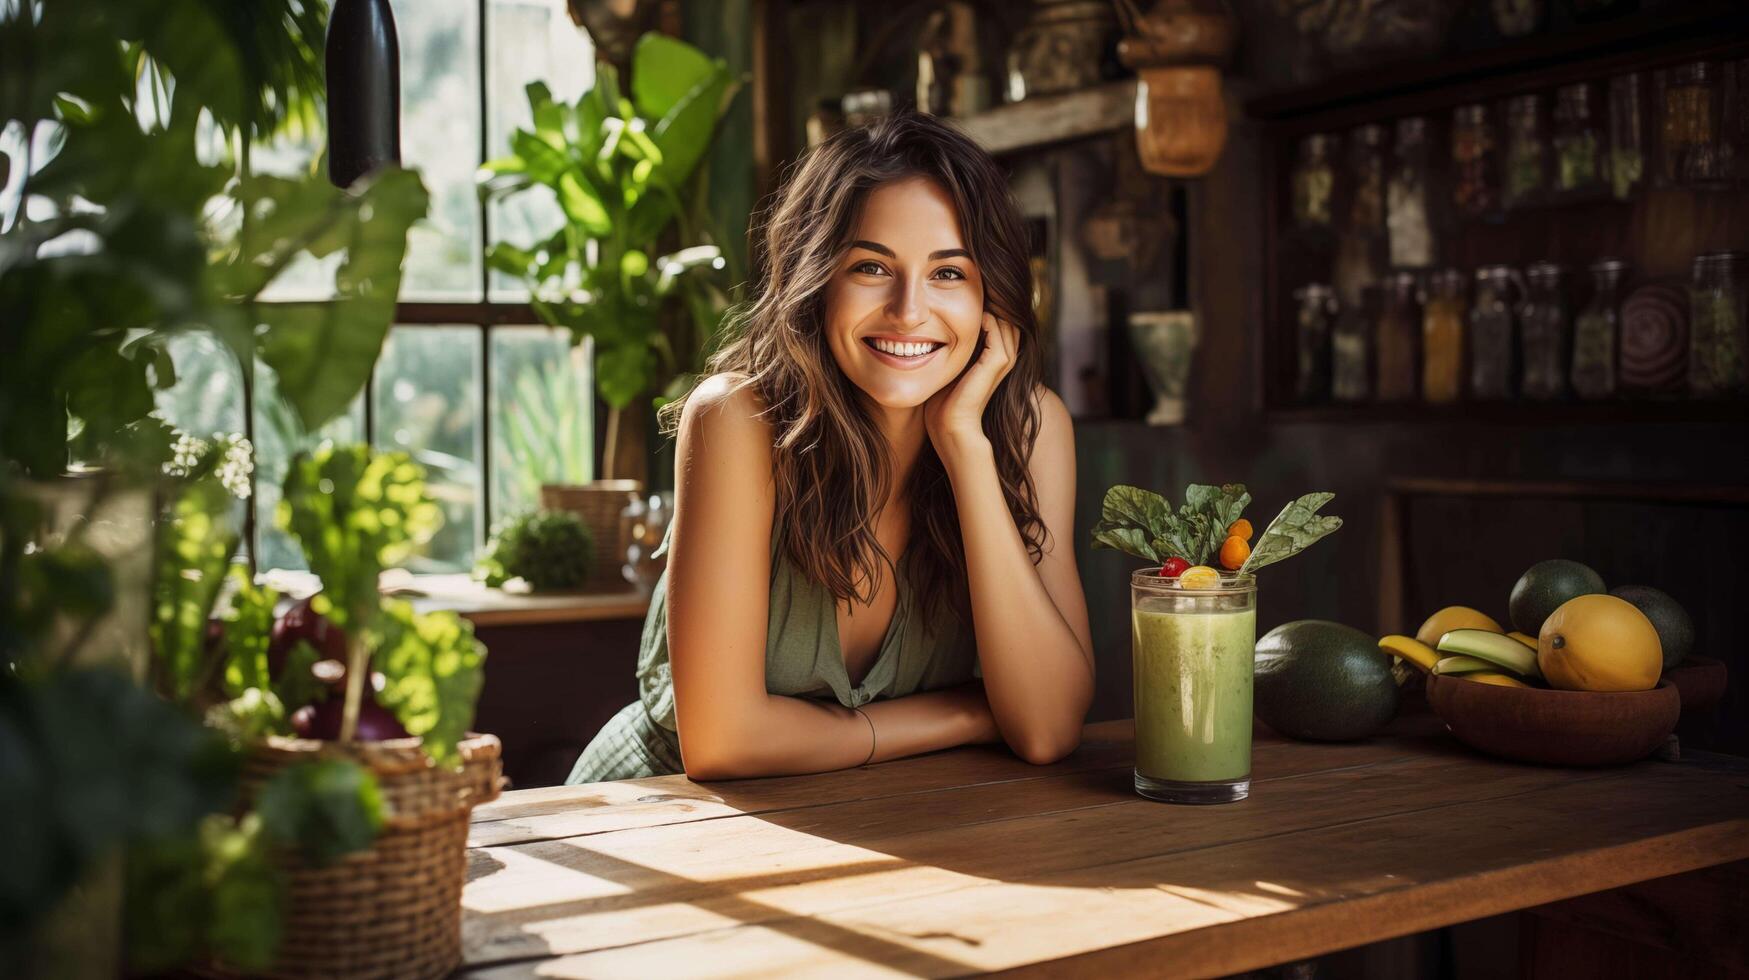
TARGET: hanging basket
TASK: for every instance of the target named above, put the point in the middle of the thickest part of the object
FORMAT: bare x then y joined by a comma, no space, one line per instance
393,910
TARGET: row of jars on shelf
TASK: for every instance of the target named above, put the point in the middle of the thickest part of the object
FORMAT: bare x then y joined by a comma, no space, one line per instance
1702,139
1431,337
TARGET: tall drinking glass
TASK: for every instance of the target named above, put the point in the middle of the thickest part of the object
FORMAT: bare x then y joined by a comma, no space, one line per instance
1192,650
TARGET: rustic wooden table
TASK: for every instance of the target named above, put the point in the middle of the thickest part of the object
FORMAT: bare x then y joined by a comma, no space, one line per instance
971,860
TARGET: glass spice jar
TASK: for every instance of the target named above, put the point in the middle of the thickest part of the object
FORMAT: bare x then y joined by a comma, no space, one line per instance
1351,348
1366,179
1475,158
1578,148
1399,338
1690,124
1595,332
1718,336
1494,333
1410,237
1545,332
1442,338
1312,328
1314,180
1526,157
1627,144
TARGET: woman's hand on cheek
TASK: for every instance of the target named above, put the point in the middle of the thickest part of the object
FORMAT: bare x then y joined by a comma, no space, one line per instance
955,414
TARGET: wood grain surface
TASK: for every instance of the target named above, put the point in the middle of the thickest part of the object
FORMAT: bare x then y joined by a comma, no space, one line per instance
972,861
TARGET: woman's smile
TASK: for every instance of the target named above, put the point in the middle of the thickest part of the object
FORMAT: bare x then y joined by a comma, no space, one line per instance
904,354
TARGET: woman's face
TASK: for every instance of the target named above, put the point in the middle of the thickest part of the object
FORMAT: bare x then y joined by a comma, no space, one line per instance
906,304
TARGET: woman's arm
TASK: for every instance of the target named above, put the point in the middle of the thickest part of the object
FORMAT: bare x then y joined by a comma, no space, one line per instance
719,578
1030,621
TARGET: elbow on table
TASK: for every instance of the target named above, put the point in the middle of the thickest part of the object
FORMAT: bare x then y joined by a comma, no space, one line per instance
1044,748
705,767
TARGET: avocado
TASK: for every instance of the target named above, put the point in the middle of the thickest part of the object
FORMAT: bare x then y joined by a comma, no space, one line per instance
1675,628
1323,681
1541,591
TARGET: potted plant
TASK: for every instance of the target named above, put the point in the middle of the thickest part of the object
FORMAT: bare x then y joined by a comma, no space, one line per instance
625,169
548,550
131,723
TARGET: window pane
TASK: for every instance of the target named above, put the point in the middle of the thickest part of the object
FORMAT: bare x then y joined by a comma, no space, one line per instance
207,398
440,137
208,394
542,416
530,40
278,436
427,398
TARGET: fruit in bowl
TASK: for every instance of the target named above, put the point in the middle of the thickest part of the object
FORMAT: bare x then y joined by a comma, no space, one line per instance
1599,643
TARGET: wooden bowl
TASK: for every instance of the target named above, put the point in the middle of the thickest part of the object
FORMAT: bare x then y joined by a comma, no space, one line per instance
1700,680
1560,728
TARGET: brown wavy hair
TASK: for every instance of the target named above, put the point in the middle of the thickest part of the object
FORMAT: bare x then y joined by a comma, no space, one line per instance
829,459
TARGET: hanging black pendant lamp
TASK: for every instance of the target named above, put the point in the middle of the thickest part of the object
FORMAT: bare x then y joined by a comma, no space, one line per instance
364,90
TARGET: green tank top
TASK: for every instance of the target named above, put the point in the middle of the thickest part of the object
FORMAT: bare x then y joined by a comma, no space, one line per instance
802,659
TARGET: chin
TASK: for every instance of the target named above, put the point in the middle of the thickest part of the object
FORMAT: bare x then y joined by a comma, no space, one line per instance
908,394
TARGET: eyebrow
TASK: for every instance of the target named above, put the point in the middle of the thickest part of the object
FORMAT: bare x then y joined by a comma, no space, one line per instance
946,253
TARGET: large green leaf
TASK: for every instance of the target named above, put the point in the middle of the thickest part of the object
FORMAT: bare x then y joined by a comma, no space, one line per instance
666,70
323,354
355,512
1296,528
433,669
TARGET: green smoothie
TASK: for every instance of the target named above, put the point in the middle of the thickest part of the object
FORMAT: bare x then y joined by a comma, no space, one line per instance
1193,692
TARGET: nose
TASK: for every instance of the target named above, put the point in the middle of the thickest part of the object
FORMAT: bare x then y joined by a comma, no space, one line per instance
906,305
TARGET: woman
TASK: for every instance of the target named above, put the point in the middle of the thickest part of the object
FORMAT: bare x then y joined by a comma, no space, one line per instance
871,549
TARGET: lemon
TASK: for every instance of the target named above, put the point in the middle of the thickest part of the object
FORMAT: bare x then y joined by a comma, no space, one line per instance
1199,577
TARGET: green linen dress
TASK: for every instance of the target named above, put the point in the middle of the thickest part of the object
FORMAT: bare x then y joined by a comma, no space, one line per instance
802,659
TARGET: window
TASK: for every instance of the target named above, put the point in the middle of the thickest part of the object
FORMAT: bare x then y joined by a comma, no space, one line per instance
490,404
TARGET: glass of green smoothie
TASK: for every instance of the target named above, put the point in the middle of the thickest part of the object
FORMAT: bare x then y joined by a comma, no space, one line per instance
1192,651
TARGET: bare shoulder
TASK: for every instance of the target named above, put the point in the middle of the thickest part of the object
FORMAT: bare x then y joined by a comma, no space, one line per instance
1056,431
724,413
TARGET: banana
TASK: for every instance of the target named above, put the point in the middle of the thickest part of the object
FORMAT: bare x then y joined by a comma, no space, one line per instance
1524,638
1410,651
1498,649
1460,664
1495,678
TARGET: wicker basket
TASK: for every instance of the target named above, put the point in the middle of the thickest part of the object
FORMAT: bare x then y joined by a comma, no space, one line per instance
393,910
599,505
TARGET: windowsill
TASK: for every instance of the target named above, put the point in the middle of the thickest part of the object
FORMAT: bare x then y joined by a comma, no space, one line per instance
485,606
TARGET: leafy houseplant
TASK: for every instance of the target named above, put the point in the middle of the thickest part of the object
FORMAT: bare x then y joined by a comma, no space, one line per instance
548,549
134,217
624,168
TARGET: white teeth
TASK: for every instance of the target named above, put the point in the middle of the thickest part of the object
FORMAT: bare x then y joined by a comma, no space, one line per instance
903,350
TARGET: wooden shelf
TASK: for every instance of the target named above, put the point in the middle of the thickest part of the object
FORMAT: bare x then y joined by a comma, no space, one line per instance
1522,413
496,607
1544,60
1050,119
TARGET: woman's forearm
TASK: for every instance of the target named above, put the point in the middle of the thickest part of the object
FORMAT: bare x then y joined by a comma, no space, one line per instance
1037,675
792,736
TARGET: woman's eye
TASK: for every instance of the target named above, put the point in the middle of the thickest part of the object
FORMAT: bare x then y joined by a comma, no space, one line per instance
950,272
867,268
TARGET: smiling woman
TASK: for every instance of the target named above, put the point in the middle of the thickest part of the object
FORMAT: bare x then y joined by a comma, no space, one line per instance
874,458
